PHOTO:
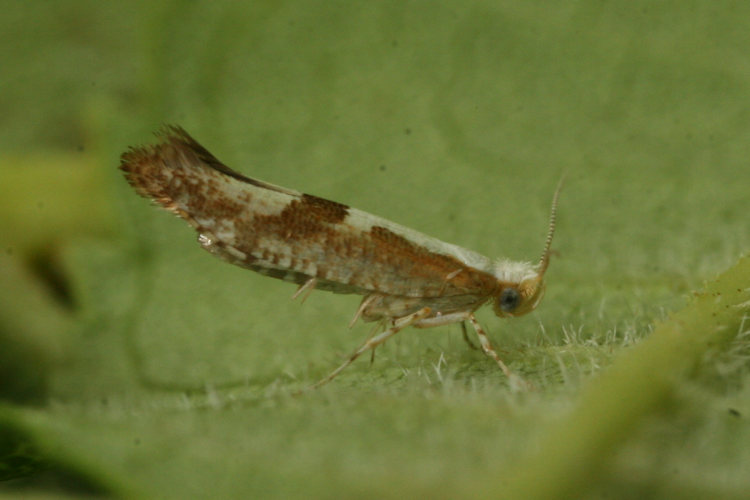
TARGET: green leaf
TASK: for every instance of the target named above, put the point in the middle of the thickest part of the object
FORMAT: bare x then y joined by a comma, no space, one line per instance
134,364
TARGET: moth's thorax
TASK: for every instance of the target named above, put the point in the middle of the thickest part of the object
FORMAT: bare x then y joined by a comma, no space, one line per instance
508,271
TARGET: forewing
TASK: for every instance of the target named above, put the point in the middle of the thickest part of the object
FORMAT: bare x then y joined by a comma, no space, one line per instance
293,236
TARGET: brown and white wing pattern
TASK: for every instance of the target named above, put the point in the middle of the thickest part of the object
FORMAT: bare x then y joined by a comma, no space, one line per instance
297,237
407,278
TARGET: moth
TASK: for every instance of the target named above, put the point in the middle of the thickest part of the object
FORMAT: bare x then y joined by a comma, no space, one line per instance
406,278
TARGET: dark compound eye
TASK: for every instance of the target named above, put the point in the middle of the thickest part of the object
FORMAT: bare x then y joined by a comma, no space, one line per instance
509,299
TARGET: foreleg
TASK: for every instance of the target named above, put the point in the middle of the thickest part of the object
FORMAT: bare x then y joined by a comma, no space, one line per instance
515,381
483,338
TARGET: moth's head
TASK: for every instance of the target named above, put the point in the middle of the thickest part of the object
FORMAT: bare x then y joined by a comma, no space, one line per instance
521,285
518,297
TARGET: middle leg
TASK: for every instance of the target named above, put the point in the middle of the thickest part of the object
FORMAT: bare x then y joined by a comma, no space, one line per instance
374,341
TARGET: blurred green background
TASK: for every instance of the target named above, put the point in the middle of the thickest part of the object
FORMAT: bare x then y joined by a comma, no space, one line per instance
132,363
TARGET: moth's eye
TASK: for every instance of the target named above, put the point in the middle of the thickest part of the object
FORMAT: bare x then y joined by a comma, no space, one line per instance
509,299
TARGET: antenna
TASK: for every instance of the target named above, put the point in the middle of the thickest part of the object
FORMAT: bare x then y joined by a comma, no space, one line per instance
544,261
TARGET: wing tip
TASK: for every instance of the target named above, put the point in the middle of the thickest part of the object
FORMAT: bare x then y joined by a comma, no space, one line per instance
149,169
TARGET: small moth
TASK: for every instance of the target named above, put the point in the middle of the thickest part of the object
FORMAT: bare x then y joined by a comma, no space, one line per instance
406,278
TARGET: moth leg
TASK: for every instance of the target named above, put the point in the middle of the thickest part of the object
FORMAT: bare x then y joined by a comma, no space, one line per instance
305,289
442,319
371,343
446,319
466,336
381,324
487,346
365,303
514,380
